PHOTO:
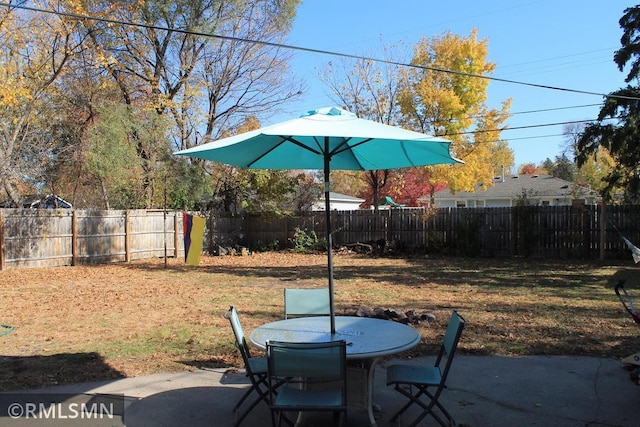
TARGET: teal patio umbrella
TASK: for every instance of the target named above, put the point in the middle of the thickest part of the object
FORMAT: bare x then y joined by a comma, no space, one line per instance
327,139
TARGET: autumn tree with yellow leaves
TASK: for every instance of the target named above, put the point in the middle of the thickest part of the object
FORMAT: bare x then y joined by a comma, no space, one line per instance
442,94
167,75
35,50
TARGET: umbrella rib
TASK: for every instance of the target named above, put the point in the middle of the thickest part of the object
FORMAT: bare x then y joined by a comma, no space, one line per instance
251,163
341,148
404,151
284,138
301,145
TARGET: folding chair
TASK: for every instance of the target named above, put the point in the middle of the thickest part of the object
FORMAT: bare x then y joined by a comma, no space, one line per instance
627,302
255,368
314,377
306,302
406,377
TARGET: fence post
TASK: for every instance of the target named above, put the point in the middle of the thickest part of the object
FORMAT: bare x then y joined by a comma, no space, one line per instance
603,223
450,239
127,237
74,238
514,231
285,230
212,231
2,248
586,232
336,229
175,235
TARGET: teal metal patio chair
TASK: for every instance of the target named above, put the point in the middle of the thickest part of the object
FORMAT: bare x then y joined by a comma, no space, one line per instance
413,380
306,302
255,369
314,376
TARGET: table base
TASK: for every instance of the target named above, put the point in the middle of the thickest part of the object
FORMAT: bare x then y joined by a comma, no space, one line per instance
360,386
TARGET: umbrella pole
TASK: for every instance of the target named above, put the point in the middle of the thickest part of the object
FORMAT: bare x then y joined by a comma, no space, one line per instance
327,210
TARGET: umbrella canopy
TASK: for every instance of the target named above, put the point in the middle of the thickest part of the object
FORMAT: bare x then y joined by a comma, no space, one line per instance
327,139
350,143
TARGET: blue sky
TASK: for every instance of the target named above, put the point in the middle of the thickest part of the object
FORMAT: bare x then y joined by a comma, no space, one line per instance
561,43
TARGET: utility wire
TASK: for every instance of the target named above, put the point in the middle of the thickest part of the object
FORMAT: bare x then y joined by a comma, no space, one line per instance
555,109
544,110
517,127
554,68
501,67
285,46
312,50
555,135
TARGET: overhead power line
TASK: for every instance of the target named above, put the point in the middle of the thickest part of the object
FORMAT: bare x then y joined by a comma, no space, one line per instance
545,110
312,50
501,67
555,135
518,127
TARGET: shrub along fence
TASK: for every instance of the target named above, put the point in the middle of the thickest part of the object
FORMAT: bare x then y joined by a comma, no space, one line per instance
45,237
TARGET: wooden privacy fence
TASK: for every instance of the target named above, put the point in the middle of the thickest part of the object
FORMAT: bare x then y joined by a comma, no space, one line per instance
587,232
48,237
45,237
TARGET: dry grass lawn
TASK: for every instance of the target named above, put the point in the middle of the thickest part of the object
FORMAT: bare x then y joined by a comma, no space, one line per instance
98,322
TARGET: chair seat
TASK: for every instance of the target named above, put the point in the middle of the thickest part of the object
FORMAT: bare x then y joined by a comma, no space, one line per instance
258,365
413,374
321,398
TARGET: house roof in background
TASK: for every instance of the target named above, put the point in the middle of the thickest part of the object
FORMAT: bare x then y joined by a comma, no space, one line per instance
511,186
338,197
50,201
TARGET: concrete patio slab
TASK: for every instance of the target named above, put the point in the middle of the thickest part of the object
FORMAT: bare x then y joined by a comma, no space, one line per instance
483,391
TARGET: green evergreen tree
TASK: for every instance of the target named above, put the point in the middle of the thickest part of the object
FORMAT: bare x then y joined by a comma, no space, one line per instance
617,128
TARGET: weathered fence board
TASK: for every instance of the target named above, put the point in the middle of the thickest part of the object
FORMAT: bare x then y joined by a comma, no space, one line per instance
47,237
36,238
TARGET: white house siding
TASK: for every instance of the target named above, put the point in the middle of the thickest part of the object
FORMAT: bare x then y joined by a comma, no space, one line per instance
498,203
338,202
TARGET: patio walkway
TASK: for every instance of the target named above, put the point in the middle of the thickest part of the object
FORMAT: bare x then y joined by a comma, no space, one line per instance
483,391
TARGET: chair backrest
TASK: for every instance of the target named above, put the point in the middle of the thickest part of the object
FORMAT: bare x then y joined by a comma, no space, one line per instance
454,330
232,315
306,302
450,342
307,362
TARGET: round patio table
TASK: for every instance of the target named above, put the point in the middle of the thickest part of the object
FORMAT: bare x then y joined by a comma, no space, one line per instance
367,340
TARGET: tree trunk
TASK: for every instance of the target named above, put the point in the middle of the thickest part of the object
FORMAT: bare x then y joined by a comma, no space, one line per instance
105,196
12,191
